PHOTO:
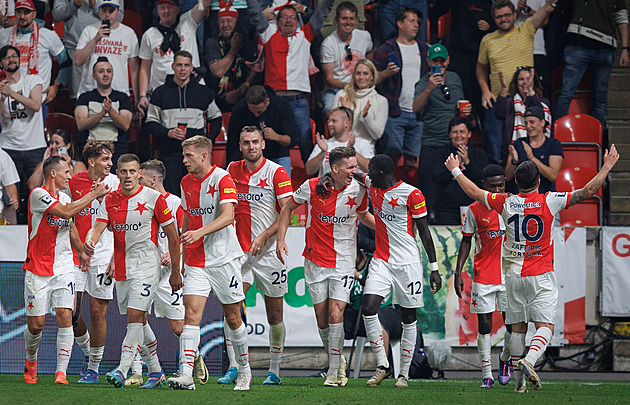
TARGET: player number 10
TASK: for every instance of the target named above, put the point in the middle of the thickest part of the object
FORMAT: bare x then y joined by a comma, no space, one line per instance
522,228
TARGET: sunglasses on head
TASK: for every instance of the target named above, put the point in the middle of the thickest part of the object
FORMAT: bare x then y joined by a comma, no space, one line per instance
348,52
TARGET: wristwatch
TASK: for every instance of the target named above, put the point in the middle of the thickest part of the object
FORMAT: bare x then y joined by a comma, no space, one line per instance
625,48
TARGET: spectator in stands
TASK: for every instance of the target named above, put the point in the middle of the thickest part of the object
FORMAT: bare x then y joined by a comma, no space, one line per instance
545,152
331,24
388,17
38,46
369,107
525,90
104,114
240,6
159,43
263,109
503,51
226,54
76,15
114,40
9,177
399,62
451,196
178,110
339,125
591,43
7,14
287,50
60,144
341,50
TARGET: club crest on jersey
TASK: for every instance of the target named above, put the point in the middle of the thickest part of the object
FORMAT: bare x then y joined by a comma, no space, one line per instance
142,207
383,216
201,211
57,222
127,227
328,219
250,196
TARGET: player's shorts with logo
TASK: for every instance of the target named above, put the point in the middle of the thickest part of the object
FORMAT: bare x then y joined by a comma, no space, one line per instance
486,298
327,282
168,304
226,281
532,298
269,272
95,282
44,292
404,281
137,293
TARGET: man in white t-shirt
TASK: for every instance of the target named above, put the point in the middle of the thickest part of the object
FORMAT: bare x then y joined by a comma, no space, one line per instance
339,124
114,40
9,177
159,44
341,50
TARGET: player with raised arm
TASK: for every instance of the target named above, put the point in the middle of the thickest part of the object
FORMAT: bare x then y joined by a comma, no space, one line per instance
134,213
95,277
212,259
488,288
330,251
399,209
49,272
263,187
530,281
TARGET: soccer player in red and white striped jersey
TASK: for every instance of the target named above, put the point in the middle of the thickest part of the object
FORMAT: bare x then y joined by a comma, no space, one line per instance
488,288
330,250
49,278
263,187
135,213
531,286
399,209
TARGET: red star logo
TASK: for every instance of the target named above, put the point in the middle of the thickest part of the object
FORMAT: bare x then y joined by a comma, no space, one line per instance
262,183
474,303
141,208
30,305
394,203
211,190
352,202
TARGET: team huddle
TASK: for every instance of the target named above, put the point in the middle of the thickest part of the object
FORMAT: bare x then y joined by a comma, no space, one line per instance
96,231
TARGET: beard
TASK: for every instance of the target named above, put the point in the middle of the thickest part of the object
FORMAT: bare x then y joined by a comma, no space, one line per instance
12,69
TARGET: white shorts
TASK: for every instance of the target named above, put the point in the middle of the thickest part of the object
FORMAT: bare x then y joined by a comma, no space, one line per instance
226,281
137,293
328,282
487,298
44,292
168,304
95,282
532,299
404,281
269,272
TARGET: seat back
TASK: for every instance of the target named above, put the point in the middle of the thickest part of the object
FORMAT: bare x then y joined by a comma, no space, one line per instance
578,128
574,178
133,21
587,213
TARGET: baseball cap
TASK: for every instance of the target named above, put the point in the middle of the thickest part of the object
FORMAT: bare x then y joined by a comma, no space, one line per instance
25,4
437,51
173,2
535,111
115,3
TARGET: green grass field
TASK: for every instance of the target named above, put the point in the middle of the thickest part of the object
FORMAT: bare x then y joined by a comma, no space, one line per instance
311,390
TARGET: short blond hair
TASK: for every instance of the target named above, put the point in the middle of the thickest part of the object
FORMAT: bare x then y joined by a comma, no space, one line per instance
198,142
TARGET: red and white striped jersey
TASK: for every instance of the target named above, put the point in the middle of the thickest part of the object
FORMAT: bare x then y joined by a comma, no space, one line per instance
489,230
48,251
287,58
394,211
331,227
80,184
135,220
528,247
258,195
201,200
174,203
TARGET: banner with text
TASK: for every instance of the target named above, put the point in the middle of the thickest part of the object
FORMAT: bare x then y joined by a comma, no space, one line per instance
615,271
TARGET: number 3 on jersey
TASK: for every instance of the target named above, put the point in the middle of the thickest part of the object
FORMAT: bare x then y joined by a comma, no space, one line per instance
531,228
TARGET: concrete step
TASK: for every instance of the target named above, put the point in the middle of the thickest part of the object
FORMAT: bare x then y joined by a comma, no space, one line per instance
620,204
617,113
619,184
619,219
619,81
618,132
619,99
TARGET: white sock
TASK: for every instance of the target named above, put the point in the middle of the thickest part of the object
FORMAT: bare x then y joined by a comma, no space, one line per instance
335,347
188,344
96,355
229,347
505,353
148,350
239,340
277,335
407,347
538,345
323,335
31,344
374,332
130,344
84,343
65,339
517,349
136,365
484,347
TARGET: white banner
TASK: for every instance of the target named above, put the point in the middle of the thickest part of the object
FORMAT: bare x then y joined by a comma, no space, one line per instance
615,248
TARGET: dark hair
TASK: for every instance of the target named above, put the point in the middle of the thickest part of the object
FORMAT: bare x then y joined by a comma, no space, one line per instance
67,139
339,153
383,164
5,49
183,54
346,5
501,4
155,166
94,148
51,163
401,15
126,158
458,120
527,175
513,86
248,129
285,7
99,60
256,95
492,170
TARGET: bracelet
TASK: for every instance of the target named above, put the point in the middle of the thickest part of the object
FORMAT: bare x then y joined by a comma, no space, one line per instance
456,172
625,48
144,95
433,266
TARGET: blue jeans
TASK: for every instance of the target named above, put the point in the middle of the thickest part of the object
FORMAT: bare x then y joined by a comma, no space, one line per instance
492,136
302,118
403,135
328,98
577,60
387,17
284,161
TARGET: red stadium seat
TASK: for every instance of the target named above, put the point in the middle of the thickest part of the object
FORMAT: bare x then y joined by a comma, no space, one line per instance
222,137
57,121
575,177
584,156
580,128
587,213
556,81
444,25
582,103
133,21
51,24
409,176
298,173
219,156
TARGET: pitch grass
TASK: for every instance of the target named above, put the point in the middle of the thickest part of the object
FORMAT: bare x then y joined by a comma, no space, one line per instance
13,390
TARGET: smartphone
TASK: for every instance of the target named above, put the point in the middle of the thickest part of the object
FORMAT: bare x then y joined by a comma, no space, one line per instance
393,58
62,150
106,23
436,69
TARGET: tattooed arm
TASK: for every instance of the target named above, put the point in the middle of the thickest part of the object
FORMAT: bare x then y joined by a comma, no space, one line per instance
610,158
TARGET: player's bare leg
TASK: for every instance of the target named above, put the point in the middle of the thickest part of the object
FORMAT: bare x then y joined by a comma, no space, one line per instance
538,345
65,339
504,358
32,339
133,339
81,333
374,332
277,334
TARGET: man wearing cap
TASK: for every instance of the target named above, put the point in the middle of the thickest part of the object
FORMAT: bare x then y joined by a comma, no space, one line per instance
160,42
545,152
114,40
37,48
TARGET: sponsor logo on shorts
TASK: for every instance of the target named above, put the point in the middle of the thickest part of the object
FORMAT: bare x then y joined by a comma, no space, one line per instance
327,219
89,211
257,197
127,227
57,222
383,216
201,211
